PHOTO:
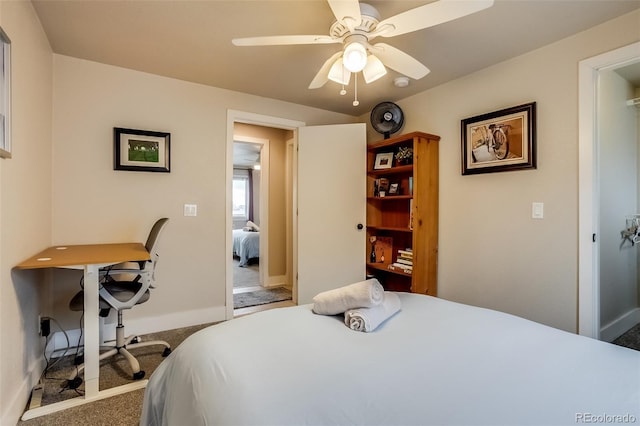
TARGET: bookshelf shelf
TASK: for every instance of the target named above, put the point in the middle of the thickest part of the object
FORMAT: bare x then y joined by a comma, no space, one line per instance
406,220
393,170
390,198
389,228
384,267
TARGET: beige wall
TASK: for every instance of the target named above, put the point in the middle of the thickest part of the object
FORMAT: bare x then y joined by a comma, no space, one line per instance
491,253
25,207
92,202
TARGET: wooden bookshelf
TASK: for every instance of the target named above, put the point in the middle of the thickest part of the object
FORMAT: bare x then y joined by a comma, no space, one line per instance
409,216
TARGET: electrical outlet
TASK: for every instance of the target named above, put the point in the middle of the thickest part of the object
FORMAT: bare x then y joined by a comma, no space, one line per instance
45,326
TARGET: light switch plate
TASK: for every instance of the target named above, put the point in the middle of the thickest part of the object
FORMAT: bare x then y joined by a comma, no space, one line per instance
191,210
537,210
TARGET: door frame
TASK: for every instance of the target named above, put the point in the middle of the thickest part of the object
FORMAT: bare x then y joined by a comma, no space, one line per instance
234,116
588,183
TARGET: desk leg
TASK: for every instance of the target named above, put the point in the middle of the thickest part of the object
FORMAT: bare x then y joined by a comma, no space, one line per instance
91,331
91,355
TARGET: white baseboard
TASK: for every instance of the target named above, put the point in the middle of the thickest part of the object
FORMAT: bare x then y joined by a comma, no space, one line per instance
13,410
276,281
144,326
620,325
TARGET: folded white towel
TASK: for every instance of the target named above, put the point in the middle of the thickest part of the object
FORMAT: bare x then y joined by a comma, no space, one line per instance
363,294
368,319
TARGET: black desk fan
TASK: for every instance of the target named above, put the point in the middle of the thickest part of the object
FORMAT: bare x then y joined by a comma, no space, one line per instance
387,118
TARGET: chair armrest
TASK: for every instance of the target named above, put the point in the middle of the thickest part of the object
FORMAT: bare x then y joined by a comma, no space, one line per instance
142,276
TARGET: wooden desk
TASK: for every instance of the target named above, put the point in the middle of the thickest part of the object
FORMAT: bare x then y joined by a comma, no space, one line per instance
89,258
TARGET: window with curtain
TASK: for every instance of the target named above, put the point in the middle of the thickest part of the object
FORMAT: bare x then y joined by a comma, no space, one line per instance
240,197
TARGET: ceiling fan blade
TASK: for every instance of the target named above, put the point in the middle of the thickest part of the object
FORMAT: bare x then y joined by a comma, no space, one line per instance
429,15
323,75
398,60
347,12
285,40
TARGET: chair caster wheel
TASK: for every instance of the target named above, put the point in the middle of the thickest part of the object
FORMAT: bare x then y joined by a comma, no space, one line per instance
135,339
139,375
166,352
74,383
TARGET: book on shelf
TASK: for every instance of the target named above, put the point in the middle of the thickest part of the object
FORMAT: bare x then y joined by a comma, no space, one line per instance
399,267
402,266
383,249
404,261
405,253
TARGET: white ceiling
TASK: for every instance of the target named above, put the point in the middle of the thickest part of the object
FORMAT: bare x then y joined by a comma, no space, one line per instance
191,40
246,154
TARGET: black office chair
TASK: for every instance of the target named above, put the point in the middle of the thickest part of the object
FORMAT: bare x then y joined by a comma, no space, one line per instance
122,287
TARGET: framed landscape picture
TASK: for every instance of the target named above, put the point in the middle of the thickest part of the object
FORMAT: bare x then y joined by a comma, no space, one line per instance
141,150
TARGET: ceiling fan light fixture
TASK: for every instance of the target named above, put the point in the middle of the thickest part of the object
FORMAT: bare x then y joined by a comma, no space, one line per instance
373,70
339,73
355,57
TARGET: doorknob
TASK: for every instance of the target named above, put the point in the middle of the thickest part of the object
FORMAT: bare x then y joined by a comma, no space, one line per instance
360,226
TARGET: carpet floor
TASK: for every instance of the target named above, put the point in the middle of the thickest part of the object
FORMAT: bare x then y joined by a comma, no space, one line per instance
247,276
121,410
260,297
124,410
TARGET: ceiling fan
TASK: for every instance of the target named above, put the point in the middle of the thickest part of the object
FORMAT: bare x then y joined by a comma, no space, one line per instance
357,24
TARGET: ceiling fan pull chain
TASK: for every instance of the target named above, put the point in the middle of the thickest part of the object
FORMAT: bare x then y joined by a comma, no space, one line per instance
356,102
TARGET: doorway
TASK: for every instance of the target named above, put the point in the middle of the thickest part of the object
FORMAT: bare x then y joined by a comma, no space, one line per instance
259,237
250,198
594,233
239,127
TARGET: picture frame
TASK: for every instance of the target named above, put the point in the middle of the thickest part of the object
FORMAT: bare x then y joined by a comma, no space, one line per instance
384,160
394,188
500,141
5,95
141,150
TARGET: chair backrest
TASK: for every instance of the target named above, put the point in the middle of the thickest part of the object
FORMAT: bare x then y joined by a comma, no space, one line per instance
155,233
151,244
146,275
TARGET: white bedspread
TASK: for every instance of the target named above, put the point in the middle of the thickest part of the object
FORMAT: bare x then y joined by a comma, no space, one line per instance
433,363
246,245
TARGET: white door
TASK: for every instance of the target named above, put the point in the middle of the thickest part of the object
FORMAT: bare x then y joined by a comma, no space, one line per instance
331,208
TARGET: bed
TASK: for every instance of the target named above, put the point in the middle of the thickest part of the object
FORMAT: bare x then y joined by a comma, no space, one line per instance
246,245
433,363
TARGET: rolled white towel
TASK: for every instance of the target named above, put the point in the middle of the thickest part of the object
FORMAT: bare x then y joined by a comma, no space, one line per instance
368,319
362,294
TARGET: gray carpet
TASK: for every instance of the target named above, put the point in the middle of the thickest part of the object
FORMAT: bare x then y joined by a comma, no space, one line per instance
247,276
118,410
630,339
260,297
